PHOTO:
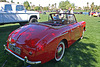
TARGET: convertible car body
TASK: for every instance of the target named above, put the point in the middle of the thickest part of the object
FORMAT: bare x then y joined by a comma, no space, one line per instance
42,41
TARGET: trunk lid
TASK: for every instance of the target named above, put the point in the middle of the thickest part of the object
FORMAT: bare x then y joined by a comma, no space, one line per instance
30,34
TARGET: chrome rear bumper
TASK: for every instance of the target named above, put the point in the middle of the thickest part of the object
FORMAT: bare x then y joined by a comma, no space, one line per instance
27,61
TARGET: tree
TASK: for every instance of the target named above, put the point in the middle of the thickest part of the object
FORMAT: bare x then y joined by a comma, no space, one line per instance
62,5
66,4
92,6
32,7
41,8
73,5
27,5
36,8
79,8
99,7
30,2
55,5
12,1
96,7
3,1
87,4
69,5
39,4
52,6
49,6
17,2
45,8
87,8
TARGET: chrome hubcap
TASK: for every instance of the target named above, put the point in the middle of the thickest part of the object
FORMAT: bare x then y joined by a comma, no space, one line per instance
59,51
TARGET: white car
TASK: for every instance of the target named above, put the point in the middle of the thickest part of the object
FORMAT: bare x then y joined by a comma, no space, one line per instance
16,13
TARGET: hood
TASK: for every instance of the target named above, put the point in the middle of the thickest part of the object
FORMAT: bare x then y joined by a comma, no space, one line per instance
30,34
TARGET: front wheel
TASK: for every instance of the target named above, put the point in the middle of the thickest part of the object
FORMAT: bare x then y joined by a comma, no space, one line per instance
32,20
59,51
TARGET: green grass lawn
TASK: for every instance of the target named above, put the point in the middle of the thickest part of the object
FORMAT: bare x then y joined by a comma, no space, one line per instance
83,53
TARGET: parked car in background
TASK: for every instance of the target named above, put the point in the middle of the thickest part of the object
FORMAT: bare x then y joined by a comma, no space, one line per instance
78,12
40,42
16,13
86,13
97,14
91,13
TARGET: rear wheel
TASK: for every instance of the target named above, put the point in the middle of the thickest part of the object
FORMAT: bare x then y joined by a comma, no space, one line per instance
32,20
60,51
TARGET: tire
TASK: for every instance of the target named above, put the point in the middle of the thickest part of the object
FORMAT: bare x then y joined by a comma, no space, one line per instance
32,20
59,51
82,35
22,24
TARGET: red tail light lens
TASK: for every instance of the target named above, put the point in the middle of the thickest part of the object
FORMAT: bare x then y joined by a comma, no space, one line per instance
12,40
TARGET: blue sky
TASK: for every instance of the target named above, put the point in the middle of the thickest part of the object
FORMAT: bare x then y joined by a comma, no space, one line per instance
79,3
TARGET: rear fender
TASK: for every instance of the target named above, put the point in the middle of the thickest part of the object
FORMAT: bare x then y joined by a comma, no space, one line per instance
83,23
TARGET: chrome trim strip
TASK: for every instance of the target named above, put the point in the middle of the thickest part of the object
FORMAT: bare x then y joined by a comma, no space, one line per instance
27,61
65,33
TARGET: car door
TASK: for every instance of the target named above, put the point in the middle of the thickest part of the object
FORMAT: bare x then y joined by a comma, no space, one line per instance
1,19
21,13
77,30
9,15
74,28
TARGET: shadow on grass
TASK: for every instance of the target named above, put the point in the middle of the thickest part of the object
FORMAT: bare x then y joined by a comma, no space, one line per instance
85,38
4,32
79,54
98,21
8,28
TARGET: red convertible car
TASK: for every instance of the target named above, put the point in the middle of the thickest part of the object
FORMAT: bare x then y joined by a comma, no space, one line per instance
41,42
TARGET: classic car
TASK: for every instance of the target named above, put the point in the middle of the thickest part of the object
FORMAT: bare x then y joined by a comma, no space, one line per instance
41,42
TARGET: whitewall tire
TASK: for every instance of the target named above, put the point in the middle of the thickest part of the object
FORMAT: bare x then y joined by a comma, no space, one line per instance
60,51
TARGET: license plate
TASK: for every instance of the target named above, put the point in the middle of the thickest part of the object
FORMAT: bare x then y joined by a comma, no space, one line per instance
15,49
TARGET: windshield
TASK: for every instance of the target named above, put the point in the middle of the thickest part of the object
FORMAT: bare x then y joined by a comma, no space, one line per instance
19,8
49,18
59,19
60,16
63,17
8,7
